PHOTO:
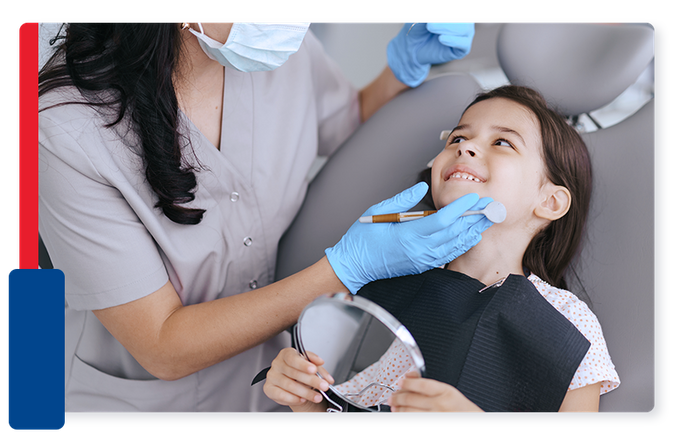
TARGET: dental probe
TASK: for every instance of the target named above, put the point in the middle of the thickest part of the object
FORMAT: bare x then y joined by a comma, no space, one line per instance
494,211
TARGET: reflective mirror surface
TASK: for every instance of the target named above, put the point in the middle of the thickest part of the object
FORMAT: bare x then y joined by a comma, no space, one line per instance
364,347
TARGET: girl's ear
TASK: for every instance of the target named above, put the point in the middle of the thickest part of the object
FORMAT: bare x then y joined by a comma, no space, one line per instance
556,201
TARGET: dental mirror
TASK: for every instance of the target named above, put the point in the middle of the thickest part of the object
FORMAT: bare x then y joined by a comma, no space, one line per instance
494,211
363,346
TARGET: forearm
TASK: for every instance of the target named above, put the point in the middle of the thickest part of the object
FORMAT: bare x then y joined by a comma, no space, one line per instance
584,399
231,325
380,91
172,341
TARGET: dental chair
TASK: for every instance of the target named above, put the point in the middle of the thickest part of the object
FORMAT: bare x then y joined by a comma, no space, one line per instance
578,68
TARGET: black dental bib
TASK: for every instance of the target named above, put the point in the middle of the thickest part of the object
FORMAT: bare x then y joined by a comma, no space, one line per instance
505,348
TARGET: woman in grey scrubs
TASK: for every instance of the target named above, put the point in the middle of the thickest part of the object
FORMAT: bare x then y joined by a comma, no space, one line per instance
172,160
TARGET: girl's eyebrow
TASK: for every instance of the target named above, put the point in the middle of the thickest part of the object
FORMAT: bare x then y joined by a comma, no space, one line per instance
508,130
497,128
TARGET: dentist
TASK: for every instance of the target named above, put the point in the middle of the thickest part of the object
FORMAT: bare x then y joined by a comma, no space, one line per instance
172,159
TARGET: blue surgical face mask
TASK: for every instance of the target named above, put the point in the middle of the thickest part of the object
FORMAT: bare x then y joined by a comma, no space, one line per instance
254,46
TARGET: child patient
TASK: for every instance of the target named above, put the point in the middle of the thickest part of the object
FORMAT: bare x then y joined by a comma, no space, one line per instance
508,146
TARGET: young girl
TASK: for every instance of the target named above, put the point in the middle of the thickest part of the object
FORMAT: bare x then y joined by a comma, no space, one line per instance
511,147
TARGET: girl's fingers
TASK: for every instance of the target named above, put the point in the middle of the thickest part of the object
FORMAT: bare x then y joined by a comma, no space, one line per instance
290,392
326,375
315,359
292,379
310,380
419,394
405,399
289,365
411,376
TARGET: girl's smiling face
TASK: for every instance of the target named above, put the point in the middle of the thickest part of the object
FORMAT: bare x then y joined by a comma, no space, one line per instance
495,151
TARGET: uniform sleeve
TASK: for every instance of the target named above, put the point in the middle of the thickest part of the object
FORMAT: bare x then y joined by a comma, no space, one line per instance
337,101
90,231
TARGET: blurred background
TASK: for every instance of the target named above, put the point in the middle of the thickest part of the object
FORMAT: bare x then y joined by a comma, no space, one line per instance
360,51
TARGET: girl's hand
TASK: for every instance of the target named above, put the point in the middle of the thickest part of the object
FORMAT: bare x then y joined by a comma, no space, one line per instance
292,380
419,394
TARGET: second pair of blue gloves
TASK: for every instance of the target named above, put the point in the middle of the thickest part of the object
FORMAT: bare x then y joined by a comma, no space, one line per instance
420,45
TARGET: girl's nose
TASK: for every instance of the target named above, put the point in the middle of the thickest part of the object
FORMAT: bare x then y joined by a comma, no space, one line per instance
461,151
468,147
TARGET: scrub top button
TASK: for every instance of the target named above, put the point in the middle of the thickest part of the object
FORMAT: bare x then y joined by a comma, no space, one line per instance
247,241
253,284
234,196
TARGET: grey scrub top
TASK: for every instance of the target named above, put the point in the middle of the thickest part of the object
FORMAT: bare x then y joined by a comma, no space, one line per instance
97,219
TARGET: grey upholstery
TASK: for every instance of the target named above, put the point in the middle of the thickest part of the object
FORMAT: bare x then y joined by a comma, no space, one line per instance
617,262
579,68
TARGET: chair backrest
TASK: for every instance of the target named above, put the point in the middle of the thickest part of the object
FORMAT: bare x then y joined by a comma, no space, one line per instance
383,157
616,267
578,68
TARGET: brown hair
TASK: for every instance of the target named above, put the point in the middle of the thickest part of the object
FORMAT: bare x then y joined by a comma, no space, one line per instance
567,164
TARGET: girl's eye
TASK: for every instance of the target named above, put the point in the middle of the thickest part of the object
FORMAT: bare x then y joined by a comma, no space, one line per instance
503,142
457,139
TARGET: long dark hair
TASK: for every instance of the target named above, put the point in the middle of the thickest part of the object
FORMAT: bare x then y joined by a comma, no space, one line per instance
567,164
126,70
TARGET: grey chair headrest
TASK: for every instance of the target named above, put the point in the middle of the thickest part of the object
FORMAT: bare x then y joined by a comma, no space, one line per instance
578,67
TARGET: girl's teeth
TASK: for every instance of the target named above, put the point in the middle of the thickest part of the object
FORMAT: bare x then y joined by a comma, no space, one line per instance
465,176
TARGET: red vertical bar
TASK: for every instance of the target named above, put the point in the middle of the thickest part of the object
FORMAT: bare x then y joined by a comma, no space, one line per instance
29,146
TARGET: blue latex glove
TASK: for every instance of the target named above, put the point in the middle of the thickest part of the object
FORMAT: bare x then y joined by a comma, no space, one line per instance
369,252
410,54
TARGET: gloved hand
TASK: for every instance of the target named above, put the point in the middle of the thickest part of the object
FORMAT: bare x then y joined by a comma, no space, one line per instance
369,252
410,54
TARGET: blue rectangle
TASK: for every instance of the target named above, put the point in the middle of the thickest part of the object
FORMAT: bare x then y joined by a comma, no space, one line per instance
37,343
